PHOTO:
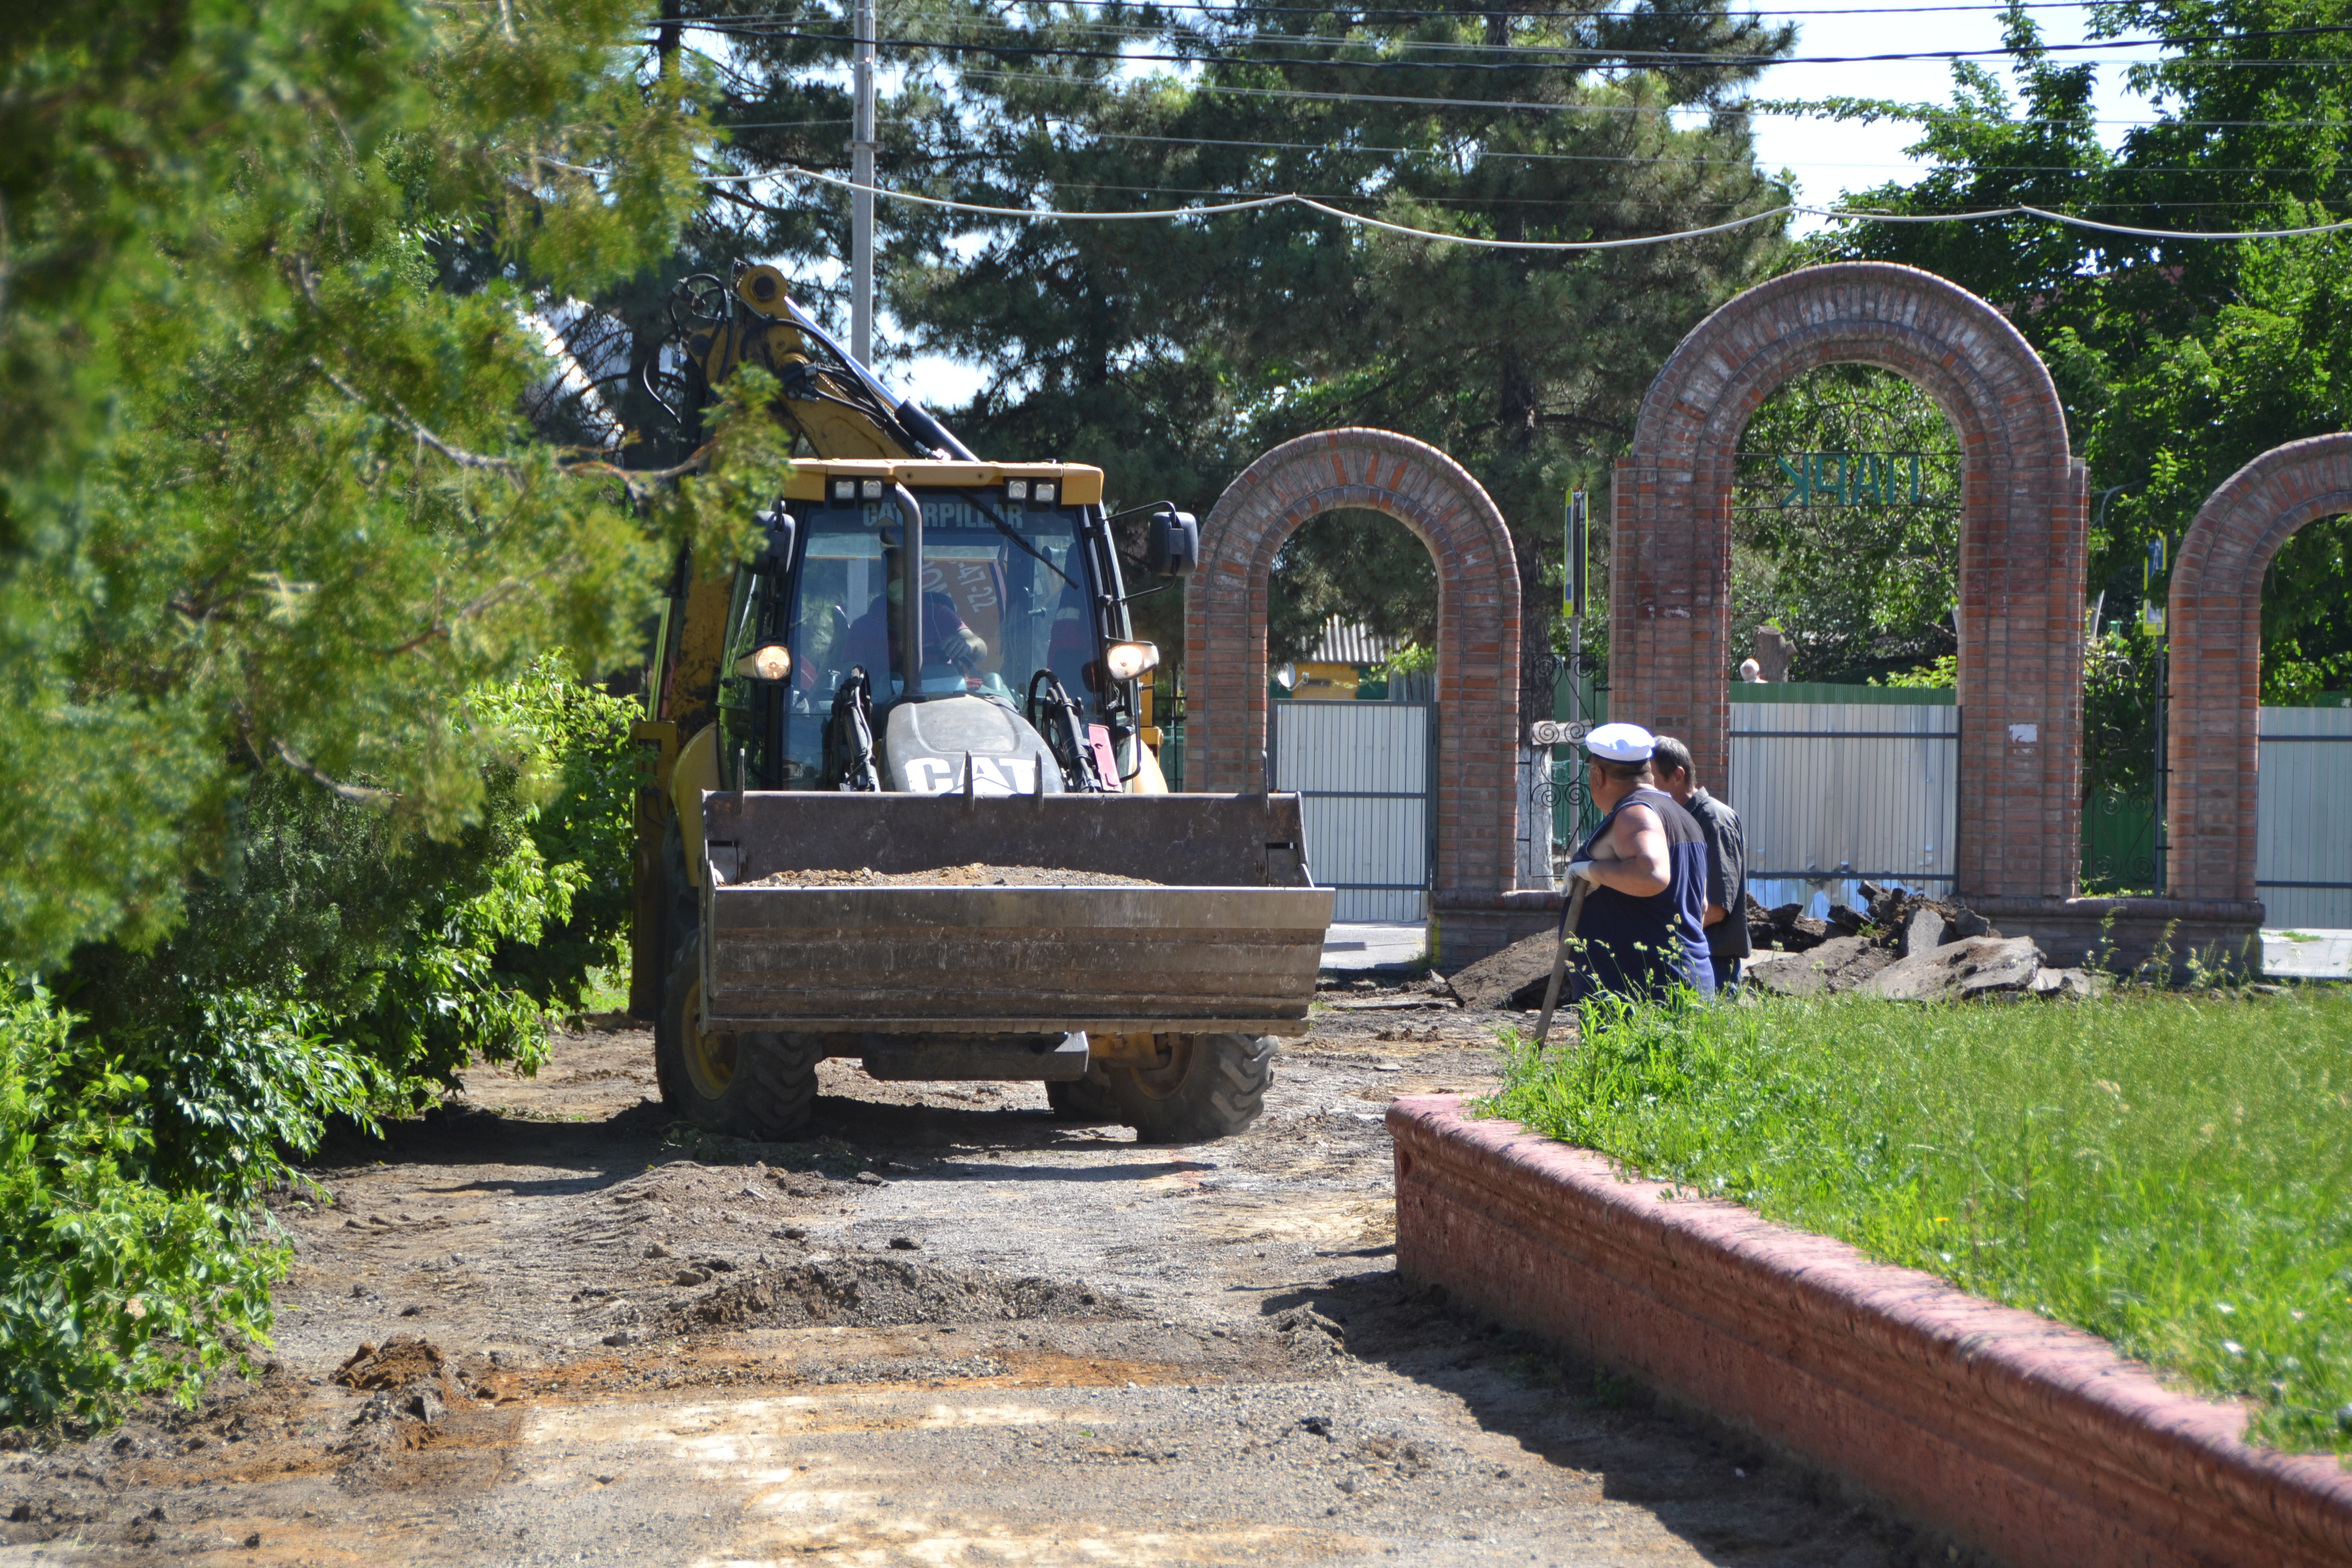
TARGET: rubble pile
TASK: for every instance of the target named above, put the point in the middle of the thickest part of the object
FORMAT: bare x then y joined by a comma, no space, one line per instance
1903,946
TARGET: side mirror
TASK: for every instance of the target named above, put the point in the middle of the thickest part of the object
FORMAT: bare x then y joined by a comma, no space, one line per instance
776,555
1175,545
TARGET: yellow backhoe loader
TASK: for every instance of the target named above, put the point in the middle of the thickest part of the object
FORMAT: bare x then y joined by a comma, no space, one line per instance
931,664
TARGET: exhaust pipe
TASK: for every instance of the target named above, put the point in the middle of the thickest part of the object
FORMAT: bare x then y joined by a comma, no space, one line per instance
910,609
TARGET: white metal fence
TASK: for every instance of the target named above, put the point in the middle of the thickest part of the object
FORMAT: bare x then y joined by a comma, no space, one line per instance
2303,826
1364,772
1831,794
1835,792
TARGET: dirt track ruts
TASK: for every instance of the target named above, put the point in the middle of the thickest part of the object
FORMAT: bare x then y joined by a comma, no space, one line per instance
946,1329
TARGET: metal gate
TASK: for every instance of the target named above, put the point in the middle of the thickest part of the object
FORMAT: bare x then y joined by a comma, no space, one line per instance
2303,842
1366,772
1833,794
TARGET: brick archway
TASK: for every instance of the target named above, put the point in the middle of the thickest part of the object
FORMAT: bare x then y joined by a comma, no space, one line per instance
2022,544
2215,623
1477,631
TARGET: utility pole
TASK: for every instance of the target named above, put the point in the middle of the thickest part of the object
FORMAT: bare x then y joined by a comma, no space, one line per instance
2152,616
861,169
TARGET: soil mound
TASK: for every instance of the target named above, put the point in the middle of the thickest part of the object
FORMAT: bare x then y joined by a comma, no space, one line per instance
882,1292
1514,978
976,875
402,1360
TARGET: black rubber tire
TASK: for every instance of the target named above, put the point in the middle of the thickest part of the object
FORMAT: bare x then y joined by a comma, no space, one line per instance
1087,1099
770,1091
1212,1086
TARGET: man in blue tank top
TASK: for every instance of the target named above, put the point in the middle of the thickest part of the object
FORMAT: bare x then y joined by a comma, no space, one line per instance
1644,927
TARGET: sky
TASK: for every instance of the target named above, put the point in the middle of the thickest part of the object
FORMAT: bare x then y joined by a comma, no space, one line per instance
1827,157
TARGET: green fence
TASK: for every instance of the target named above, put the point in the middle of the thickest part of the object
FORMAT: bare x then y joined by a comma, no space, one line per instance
2118,844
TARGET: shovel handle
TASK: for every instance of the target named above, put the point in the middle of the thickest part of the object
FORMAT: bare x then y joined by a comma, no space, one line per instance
1568,919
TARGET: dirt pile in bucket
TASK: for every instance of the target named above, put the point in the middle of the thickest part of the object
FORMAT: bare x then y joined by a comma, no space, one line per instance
976,875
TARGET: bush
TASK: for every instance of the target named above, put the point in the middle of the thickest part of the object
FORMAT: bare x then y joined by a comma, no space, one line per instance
2168,1171
116,1278
326,918
333,963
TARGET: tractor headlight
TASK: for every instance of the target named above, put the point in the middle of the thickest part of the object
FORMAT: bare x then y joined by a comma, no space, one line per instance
772,662
1126,660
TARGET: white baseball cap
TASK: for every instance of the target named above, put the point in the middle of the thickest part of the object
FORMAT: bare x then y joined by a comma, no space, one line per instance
1621,743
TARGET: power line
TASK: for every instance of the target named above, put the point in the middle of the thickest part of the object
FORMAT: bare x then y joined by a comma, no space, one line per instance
1485,153
1293,199
1238,12
1482,153
1575,58
1776,108
1475,48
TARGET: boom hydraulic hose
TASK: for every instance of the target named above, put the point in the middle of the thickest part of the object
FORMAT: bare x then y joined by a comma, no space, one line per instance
910,609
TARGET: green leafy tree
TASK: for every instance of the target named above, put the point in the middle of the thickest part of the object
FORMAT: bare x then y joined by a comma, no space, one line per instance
1359,565
272,496
1856,572
299,568
113,1281
2178,361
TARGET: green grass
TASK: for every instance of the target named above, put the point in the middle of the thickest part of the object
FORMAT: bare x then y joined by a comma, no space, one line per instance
2172,1172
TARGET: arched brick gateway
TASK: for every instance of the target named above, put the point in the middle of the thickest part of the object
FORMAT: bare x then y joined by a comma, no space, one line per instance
2215,622
1477,630
2022,550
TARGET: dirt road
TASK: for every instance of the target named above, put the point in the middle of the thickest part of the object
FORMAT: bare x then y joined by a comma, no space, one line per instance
946,1330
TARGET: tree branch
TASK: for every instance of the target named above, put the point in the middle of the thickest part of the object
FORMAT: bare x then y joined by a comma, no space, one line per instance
1584,422
416,428
358,794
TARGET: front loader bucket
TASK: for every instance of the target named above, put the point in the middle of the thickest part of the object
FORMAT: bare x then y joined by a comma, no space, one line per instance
1229,942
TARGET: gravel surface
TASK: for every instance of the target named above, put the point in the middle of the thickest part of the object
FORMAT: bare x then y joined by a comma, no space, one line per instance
548,1324
975,874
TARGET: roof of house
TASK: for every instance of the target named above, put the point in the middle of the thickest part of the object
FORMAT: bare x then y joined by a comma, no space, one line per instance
1352,643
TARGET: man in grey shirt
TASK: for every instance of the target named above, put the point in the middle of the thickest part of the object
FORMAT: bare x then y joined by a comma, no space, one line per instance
1726,861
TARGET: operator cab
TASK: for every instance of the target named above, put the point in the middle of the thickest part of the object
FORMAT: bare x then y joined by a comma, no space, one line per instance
1022,609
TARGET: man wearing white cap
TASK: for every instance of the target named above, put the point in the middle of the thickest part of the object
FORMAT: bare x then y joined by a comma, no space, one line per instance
1644,927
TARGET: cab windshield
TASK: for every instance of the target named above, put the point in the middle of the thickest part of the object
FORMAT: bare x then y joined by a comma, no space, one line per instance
1005,594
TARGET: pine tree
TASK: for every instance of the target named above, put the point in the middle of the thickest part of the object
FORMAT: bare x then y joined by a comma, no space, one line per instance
1171,353
272,499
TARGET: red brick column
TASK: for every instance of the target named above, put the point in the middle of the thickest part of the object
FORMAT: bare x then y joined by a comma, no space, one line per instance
2215,622
1477,630
2022,547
